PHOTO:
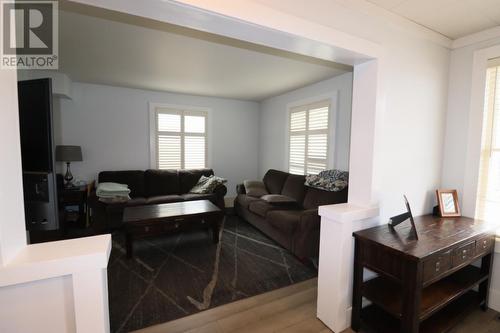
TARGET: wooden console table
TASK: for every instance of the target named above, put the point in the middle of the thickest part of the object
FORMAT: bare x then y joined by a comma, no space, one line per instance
425,285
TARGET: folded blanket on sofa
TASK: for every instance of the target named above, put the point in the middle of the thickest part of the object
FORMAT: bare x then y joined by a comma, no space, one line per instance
113,191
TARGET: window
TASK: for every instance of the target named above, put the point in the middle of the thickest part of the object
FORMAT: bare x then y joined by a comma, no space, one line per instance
308,138
488,199
180,139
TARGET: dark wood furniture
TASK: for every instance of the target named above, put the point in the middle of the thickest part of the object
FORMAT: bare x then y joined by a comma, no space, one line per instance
69,197
424,285
153,220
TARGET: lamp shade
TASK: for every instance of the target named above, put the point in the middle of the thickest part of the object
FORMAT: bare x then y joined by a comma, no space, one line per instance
68,153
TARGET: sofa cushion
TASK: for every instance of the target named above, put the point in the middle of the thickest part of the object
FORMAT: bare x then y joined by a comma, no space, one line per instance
260,207
159,199
294,187
161,182
245,200
279,200
189,178
134,179
274,180
196,196
255,188
315,197
285,220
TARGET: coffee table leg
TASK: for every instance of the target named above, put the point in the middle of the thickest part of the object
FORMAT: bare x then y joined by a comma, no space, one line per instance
128,245
215,231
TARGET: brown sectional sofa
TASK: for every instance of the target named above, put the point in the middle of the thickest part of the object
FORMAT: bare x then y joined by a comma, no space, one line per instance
149,187
295,227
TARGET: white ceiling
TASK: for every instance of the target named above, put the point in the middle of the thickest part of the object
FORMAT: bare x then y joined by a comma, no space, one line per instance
451,18
99,46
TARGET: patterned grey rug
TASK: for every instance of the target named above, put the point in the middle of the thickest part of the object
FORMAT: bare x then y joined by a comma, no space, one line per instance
175,276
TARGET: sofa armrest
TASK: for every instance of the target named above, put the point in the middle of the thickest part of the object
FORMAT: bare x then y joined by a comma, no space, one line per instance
93,200
306,236
220,191
240,189
309,220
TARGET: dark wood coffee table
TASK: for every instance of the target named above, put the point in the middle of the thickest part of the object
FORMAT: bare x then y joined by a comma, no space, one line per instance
154,220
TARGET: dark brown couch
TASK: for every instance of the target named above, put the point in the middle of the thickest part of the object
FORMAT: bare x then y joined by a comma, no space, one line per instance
149,187
295,227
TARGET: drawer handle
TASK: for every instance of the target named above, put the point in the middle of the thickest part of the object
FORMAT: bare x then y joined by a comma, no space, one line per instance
464,256
146,229
464,251
438,266
176,225
179,219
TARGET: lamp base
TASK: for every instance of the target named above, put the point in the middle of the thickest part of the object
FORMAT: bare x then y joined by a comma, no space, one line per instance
68,177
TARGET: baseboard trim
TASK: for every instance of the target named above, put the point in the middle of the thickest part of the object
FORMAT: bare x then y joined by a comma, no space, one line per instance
494,300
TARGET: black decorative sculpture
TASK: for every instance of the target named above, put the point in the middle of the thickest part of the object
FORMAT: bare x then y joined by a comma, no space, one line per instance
398,219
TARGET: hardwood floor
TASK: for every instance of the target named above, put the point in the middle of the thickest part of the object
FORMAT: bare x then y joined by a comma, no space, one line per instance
291,310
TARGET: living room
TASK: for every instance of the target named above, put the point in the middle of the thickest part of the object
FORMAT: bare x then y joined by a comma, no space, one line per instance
418,88
151,120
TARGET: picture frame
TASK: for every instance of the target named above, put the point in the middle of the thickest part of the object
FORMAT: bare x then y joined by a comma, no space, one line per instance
448,203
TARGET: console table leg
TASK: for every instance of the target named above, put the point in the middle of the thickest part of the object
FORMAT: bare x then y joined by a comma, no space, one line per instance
412,295
486,263
356,290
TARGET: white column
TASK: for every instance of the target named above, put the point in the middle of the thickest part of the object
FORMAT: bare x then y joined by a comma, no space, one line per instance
90,292
338,222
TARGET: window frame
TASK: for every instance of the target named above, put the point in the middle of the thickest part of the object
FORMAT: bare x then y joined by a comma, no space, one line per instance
485,204
331,150
183,110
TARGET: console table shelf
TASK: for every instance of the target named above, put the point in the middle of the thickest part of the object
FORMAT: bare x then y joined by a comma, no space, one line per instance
423,285
379,321
434,297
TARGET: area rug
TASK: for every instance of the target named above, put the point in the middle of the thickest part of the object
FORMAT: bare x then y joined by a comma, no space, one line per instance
178,275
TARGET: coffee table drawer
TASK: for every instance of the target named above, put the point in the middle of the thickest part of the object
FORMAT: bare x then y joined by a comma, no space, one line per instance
158,227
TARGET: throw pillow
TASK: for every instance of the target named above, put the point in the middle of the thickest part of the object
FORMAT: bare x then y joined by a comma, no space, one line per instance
207,184
278,199
328,180
255,188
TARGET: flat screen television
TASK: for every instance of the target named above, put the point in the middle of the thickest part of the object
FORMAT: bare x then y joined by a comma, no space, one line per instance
35,122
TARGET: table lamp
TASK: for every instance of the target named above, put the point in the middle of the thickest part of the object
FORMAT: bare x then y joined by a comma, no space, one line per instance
68,154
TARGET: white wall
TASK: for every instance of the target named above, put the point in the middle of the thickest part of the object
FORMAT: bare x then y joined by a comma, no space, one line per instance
413,75
458,120
274,122
112,126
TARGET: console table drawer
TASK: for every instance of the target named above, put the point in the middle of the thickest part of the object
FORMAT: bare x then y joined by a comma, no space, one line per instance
484,245
437,265
463,254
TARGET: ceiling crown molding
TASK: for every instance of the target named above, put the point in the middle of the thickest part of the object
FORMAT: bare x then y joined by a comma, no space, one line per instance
477,37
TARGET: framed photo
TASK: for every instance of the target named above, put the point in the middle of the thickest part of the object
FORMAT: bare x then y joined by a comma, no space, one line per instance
448,203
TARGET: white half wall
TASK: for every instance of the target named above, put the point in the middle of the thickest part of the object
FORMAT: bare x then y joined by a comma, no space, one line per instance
112,126
12,225
274,122
47,305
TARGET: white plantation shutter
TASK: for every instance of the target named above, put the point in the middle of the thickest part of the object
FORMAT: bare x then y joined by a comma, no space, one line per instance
181,139
488,198
308,138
